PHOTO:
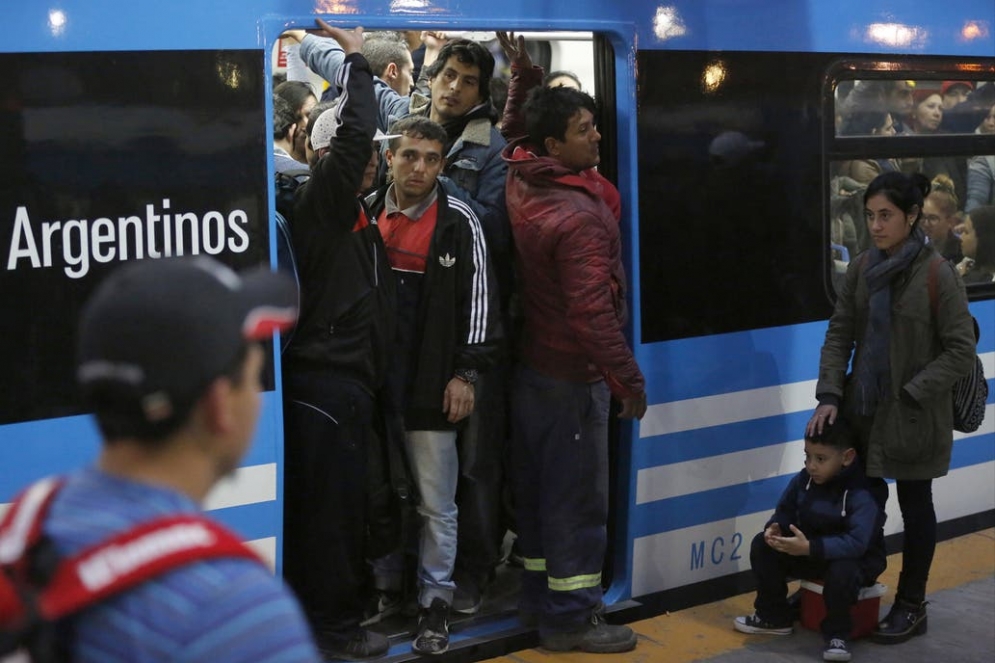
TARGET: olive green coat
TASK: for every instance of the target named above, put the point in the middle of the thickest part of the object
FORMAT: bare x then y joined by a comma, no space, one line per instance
928,354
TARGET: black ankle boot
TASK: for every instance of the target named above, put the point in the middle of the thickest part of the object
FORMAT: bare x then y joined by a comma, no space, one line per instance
906,619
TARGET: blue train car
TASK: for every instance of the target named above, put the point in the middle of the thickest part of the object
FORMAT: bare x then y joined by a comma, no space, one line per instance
130,131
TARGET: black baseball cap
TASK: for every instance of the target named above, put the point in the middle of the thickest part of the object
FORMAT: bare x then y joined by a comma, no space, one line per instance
156,332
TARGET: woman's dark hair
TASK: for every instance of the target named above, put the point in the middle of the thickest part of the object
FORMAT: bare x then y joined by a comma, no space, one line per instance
548,112
903,191
466,52
295,93
983,220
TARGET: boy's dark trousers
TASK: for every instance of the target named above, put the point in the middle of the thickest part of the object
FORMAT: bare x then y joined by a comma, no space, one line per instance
841,578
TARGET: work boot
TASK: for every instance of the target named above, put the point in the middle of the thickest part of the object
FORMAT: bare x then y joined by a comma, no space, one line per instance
596,637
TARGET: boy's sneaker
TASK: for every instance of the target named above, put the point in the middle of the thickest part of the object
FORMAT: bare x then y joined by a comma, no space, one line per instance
754,624
596,637
433,629
836,650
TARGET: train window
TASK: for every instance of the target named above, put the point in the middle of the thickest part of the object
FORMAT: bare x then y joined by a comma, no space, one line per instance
941,128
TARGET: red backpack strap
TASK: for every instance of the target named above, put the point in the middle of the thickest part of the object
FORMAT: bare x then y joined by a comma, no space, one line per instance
134,556
20,530
21,526
103,569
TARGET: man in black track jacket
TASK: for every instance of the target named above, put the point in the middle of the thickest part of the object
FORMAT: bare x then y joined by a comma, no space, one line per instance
335,365
448,329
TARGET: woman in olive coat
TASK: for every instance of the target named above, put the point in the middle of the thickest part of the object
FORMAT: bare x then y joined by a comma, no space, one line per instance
907,353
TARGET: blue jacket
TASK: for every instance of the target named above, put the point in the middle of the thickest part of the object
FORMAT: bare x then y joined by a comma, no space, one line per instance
840,518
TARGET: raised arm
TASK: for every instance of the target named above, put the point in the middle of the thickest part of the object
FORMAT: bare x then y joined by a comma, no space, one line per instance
524,77
324,56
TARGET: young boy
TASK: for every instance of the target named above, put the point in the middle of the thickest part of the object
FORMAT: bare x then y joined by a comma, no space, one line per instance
827,526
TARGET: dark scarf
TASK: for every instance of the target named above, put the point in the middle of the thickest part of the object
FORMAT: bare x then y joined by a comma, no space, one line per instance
872,374
454,128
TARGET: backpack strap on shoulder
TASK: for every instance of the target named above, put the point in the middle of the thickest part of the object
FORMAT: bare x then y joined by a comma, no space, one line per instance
134,556
106,568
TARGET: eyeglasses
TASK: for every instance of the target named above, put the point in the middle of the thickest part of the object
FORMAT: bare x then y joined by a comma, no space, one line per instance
931,219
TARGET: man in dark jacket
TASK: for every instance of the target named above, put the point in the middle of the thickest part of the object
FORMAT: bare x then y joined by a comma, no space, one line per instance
448,329
827,526
565,221
334,367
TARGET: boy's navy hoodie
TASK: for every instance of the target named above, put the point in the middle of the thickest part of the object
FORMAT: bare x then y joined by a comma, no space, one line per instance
840,518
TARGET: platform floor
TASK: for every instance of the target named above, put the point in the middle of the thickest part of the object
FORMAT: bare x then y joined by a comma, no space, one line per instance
961,623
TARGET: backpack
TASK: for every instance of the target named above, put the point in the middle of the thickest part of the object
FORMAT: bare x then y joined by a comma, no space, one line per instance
971,391
285,187
38,590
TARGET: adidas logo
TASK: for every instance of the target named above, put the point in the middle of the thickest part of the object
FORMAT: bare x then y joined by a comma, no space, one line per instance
447,260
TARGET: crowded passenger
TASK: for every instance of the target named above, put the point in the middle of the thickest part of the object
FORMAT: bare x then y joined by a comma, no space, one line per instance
285,127
390,61
448,331
899,100
562,79
981,169
336,365
978,238
301,98
458,74
955,93
940,217
574,357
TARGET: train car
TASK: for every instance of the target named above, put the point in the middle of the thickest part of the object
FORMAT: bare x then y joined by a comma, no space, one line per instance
130,131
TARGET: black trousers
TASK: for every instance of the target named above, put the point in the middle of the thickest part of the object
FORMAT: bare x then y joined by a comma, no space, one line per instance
915,499
842,580
327,433
482,445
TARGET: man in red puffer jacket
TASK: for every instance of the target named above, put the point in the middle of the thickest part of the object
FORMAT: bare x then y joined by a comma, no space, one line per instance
565,221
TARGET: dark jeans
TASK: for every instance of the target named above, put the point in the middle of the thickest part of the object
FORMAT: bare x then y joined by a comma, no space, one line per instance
481,446
327,424
842,580
560,481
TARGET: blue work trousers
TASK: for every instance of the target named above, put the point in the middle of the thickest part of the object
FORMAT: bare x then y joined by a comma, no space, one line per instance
559,475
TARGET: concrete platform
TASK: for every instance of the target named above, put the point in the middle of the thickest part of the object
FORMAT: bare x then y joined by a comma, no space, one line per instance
961,612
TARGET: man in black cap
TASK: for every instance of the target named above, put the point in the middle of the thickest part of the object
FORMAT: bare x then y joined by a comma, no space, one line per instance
170,363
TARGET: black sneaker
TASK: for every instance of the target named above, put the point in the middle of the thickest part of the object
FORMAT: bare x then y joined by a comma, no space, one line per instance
904,620
382,604
365,644
755,625
467,598
433,629
597,637
836,650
